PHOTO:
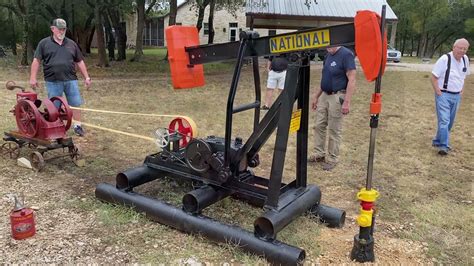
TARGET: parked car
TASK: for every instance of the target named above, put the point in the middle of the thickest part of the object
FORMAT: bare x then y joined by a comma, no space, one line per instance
393,54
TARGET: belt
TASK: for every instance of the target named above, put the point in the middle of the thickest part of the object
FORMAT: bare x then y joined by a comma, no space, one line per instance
278,71
335,92
450,92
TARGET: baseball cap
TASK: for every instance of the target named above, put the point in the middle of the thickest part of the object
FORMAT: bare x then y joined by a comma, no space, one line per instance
59,23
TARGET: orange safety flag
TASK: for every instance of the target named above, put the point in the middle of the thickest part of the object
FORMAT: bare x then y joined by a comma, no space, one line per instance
183,75
368,43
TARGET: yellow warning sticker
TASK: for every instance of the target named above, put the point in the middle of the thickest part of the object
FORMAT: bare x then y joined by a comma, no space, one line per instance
295,121
300,41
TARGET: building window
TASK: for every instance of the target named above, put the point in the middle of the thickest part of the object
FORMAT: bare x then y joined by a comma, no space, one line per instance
206,28
179,23
233,27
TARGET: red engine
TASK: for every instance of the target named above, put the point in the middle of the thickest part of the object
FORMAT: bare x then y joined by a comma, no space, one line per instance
48,119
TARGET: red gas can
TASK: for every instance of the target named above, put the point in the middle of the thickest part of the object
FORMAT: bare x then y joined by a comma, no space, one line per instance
22,221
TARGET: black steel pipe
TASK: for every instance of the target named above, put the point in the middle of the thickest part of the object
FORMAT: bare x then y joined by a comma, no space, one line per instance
273,221
331,216
134,177
245,107
195,201
274,251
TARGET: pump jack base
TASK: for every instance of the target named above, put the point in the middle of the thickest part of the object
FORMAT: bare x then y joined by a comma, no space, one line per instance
363,249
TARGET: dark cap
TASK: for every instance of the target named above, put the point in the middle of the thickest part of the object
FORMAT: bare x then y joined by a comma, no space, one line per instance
59,23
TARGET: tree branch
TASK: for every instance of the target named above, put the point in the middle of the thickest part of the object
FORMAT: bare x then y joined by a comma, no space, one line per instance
152,4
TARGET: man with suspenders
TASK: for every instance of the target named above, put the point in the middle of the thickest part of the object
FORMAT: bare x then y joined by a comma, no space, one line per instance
447,80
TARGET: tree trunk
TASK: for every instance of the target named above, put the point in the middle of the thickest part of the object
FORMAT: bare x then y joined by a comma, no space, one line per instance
212,7
202,9
140,25
120,33
24,44
110,37
100,35
89,40
122,41
173,12
13,41
393,32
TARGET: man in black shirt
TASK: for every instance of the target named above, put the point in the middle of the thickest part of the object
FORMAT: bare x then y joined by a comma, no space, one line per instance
60,56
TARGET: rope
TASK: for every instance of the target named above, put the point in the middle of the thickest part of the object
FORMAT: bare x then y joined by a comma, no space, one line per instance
125,113
119,132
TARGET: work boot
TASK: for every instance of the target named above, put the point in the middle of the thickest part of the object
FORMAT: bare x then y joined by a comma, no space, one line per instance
443,152
79,130
313,158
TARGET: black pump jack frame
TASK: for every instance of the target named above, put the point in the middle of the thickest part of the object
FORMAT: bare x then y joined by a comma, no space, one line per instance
282,202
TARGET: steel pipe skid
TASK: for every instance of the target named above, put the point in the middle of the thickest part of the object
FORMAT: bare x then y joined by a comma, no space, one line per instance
273,250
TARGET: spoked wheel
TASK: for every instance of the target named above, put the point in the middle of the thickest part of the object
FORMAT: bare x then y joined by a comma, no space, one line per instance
65,112
37,161
184,126
75,154
10,149
27,118
196,155
162,137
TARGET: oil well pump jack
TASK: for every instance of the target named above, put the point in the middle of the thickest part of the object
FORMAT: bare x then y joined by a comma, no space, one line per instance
223,165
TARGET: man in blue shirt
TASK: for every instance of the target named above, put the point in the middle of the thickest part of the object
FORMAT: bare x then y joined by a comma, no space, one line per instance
332,101
448,84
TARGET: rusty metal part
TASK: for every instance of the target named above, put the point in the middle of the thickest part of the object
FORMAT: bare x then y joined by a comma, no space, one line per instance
11,148
37,161
11,85
75,154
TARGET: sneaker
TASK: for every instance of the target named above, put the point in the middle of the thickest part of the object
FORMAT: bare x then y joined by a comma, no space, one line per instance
443,152
329,166
315,159
265,107
79,130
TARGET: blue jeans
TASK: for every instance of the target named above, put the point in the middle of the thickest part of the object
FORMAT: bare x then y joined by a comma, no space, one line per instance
447,106
70,88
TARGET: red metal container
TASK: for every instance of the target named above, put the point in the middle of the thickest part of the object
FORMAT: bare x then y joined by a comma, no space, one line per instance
22,221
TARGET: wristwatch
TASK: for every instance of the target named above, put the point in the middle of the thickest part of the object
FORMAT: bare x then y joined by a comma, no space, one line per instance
88,79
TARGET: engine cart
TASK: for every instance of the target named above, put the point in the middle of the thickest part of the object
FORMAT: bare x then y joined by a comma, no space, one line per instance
42,126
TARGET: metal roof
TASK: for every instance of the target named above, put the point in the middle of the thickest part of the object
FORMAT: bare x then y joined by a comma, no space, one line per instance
328,10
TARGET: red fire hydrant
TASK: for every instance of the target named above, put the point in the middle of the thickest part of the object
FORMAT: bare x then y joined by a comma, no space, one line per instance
22,221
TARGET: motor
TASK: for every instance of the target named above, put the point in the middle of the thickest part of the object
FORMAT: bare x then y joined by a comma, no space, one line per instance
48,119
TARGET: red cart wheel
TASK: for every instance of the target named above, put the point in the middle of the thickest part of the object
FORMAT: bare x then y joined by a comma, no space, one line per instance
27,118
186,127
10,148
65,112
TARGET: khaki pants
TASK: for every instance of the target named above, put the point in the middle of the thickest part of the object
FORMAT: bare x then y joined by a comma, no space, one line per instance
328,119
